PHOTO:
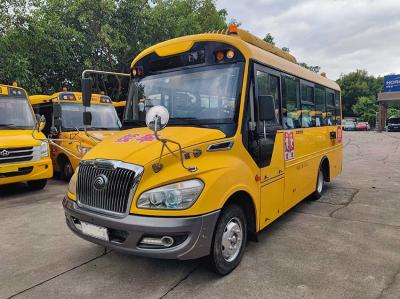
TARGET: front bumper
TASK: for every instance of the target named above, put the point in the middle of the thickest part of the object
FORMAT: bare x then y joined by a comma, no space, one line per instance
196,232
26,171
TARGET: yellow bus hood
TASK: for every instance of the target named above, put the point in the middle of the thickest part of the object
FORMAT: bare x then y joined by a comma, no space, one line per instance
87,140
18,138
139,146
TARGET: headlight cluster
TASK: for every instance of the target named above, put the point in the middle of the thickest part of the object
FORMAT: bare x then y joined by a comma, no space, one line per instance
44,149
175,196
82,149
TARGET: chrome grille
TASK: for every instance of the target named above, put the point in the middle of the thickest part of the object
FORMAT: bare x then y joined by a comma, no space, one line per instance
19,154
112,197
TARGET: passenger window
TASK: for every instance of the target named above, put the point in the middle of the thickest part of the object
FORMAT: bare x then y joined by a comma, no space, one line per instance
320,109
330,108
268,85
337,108
290,102
307,106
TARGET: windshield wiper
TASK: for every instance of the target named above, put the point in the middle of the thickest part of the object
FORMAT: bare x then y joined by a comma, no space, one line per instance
8,125
101,128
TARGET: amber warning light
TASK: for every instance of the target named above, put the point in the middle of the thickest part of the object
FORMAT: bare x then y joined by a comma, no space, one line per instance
233,29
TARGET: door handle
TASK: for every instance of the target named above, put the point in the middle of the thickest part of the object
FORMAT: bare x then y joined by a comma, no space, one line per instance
332,135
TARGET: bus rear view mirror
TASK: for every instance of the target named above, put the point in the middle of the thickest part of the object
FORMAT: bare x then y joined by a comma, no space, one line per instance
87,118
57,115
86,91
41,122
266,110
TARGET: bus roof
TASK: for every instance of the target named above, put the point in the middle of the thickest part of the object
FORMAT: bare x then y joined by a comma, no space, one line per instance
249,45
68,96
5,90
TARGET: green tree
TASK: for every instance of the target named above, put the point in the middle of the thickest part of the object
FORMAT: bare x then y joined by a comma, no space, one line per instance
365,108
355,85
46,44
313,68
269,39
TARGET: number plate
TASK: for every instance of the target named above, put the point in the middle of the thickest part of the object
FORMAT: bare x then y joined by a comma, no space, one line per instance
5,169
95,231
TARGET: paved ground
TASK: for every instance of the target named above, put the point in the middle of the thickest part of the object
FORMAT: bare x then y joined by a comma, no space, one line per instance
346,245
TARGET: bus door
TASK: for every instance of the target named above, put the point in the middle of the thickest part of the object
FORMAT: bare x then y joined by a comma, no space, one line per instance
270,143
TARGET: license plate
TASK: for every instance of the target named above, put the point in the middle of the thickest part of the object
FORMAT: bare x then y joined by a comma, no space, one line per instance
4,169
95,231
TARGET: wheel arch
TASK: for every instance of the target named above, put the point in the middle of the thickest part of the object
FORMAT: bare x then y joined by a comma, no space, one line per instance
325,165
246,202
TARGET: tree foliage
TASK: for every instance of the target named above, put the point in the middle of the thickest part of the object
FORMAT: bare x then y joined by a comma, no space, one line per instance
355,85
365,109
45,45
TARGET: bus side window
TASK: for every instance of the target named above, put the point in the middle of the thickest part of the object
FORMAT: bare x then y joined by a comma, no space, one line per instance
337,108
320,109
268,85
330,108
291,102
307,106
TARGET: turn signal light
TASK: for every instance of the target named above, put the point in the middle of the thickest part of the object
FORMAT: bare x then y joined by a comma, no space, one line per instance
137,71
14,84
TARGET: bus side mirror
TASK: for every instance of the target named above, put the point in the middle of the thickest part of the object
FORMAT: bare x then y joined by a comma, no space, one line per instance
87,118
57,115
266,110
41,122
86,91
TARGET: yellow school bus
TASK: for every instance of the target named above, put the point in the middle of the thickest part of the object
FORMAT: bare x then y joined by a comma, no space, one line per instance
63,113
230,145
23,157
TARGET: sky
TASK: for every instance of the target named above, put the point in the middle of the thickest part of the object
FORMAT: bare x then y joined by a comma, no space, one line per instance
340,36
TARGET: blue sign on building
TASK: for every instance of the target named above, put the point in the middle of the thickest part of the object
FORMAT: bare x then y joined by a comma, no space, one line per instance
391,83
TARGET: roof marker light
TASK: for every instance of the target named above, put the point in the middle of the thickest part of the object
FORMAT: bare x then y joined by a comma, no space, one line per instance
230,54
219,56
233,29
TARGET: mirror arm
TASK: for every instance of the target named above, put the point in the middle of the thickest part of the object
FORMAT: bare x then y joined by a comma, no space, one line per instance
95,139
158,166
51,141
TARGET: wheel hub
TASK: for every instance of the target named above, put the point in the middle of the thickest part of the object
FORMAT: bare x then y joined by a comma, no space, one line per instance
232,239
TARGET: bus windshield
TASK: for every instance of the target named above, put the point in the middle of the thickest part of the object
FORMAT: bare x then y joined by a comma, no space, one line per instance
198,96
104,117
15,113
394,120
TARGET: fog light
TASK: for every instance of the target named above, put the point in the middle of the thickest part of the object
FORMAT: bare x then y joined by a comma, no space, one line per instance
165,241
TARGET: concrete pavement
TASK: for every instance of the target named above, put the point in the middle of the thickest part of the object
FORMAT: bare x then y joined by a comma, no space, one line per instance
346,245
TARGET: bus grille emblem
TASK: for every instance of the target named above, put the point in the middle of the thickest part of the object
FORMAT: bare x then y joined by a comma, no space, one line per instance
4,153
100,182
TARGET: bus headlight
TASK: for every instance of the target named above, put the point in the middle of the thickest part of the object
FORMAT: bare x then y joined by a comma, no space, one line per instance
175,196
82,149
44,149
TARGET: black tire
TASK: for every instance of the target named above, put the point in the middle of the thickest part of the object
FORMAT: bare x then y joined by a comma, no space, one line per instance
319,187
234,217
66,170
37,185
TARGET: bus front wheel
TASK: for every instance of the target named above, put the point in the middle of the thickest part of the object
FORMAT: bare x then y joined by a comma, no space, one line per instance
65,168
229,240
36,185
